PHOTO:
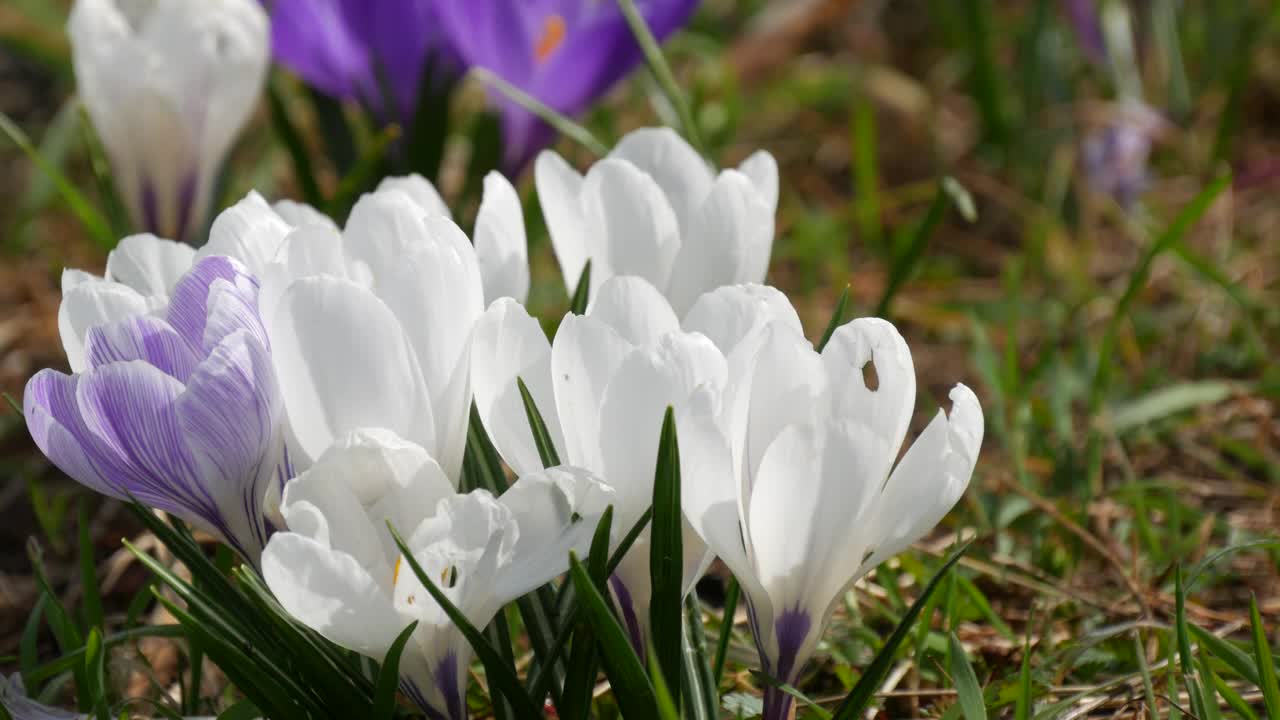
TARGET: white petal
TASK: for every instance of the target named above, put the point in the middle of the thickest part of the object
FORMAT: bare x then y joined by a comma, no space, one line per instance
634,308
94,303
729,314
559,192
684,176
584,356
330,592
308,250
508,344
381,228
786,383
887,409
931,477
249,231
639,229
420,190
728,234
300,214
763,171
149,264
501,246
344,363
709,488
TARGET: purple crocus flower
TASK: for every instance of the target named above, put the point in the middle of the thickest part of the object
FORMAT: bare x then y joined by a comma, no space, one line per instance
362,51
177,407
565,53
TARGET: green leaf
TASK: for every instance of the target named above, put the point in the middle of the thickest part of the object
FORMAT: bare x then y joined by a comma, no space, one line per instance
370,166
635,696
89,217
384,697
1233,698
702,699
29,645
666,554
661,71
1235,658
541,436
1023,705
339,140
562,123
71,660
666,703
243,710
303,171
578,303
94,663
971,702
864,691
502,677
1185,659
1170,400
1266,666
64,630
92,600
837,319
907,258
731,595
581,670
486,140
55,145
1210,699
424,147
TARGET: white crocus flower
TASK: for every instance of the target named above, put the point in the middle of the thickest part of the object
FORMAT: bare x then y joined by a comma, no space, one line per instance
169,85
371,327
602,388
339,571
654,208
796,486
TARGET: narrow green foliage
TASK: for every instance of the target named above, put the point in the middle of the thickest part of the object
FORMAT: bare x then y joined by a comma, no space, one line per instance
64,630
92,596
908,257
486,142
429,129
1209,689
666,567
966,681
731,595
1025,701
28,646
661,71
1233,698
384,697
856,702
92,220
837,319
339,140
562,123
243,710
1148,687
667,709
580,672
1238,660
1186,662
702,699
631,688
541,436
502,677
581,293
94,667
985,75
866,170
370,166
303,171
1266,666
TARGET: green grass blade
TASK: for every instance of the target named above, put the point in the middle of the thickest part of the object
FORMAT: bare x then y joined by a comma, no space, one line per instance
94,665
65,632
92,220
581,293
581,670
1266,666
837,319
906,259
541,436
502,677
635,696
562,123
1186,662
1234,701
661,70
1210,699
856,702
91,600
985,75
666,553
384,697
368,168
966,681
1148,687
702,700
731,595
1022,706
866,171
1238,660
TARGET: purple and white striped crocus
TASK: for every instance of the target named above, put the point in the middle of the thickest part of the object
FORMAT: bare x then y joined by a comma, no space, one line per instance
338,570
173,400
790,479
565,53
168,85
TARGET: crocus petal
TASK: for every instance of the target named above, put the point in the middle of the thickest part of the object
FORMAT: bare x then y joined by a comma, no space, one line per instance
887,409
194,309
300,214
149,264
508,344
681,173
420,190
584,356
90,303
728,234
763,171
53,419
559,189
344,363
141,337
249,231
641,232
634,308
729,314
501,246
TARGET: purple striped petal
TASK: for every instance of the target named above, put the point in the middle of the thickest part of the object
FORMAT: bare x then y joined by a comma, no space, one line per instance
141,337
189,307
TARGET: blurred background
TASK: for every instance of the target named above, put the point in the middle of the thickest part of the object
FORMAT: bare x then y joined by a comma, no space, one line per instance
1119,323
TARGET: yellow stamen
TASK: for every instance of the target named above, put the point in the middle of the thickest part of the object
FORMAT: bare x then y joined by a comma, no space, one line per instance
553,32
395,574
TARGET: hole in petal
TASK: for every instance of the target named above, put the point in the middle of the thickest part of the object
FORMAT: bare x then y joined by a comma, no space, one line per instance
869,376
575,517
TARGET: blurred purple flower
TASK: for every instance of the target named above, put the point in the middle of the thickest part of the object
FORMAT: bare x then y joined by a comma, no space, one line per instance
363,50
177,407
566,53
1088,26
1115,153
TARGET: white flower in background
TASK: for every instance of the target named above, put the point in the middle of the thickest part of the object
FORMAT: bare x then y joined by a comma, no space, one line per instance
339,571
169,85
602,388
371,327
655,208
795,487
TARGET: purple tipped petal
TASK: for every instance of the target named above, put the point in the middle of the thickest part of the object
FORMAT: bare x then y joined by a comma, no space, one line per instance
628,609
141,337
446,679
53,419
193,296
790,628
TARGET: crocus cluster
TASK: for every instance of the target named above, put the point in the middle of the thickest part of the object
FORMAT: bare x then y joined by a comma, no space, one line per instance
296,389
